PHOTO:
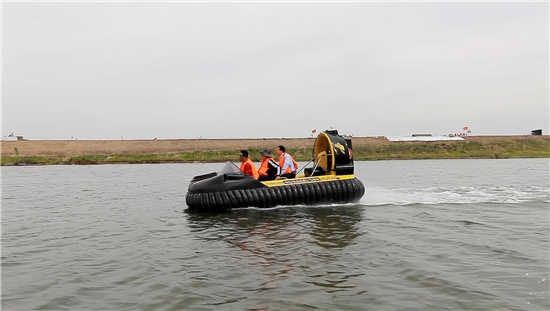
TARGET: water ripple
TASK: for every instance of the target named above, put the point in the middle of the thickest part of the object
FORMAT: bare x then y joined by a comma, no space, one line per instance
464,235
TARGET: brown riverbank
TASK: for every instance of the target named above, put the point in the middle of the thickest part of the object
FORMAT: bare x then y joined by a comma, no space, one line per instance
111,147
212,150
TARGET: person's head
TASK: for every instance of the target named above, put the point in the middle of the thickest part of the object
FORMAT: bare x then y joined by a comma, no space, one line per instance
281,149
244,154
266,153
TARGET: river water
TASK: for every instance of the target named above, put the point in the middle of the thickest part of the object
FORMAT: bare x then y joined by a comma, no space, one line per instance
427,235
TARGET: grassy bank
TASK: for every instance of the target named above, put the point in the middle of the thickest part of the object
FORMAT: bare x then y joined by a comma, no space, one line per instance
301,154
500,149
121,158
496,148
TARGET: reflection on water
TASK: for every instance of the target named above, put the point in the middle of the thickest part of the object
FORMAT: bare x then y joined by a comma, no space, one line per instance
336,229
428,235
275,242
330,227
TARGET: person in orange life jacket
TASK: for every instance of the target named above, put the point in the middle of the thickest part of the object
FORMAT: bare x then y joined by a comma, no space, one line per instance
247,166
269,169
287,163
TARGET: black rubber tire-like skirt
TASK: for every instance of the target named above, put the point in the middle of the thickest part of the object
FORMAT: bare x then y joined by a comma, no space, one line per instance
337,191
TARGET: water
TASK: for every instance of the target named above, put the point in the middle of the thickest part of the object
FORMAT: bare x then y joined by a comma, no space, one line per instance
428,235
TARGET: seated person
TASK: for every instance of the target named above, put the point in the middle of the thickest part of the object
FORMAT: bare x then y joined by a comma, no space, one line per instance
247,166
287,163
269,169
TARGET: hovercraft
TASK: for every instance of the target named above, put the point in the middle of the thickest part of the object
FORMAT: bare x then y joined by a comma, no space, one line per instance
329,179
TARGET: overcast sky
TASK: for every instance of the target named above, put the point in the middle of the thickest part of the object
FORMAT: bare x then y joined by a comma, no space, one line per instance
183,70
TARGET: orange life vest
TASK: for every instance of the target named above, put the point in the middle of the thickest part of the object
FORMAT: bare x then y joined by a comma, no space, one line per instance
248,167
264,167
288,169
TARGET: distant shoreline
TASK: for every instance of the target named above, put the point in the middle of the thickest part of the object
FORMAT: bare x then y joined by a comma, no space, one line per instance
60,152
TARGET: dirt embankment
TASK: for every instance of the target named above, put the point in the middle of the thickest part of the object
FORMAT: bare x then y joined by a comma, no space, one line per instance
69,148
110,147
